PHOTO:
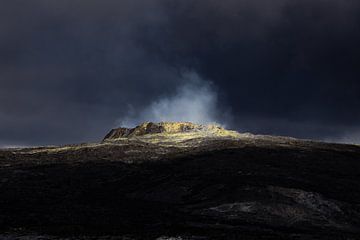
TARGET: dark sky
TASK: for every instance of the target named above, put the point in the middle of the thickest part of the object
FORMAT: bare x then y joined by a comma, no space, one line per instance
72,69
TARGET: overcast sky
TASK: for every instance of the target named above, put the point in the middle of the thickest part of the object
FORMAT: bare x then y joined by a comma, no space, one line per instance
72,69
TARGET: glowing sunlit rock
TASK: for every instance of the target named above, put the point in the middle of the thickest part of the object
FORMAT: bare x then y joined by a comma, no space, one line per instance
170,129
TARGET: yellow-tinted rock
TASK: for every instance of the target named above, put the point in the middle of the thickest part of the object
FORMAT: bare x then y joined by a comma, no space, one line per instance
169,128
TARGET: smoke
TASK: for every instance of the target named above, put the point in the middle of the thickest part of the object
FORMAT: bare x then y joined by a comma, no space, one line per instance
195,101
6,145
351,136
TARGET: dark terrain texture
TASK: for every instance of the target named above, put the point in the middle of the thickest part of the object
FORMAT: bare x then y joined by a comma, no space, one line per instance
202,187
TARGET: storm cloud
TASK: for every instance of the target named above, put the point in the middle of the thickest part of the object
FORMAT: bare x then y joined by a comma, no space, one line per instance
70,70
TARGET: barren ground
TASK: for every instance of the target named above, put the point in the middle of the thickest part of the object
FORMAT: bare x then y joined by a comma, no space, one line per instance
192,186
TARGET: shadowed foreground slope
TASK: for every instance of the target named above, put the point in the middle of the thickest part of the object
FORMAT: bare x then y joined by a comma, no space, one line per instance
183,180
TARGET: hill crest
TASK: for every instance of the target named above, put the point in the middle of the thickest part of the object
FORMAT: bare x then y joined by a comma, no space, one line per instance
167,128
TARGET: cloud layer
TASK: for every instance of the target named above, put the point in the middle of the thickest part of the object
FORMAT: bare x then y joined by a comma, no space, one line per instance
70,70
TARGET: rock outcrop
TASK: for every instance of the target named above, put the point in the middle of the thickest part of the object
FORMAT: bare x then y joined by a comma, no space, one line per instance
164,127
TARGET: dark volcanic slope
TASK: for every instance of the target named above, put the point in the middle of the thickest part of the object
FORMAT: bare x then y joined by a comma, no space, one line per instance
248,187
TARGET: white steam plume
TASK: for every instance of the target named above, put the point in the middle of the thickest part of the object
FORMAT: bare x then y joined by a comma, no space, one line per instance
195,101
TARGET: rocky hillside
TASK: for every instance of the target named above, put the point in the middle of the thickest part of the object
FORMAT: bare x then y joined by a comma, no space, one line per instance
182,181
